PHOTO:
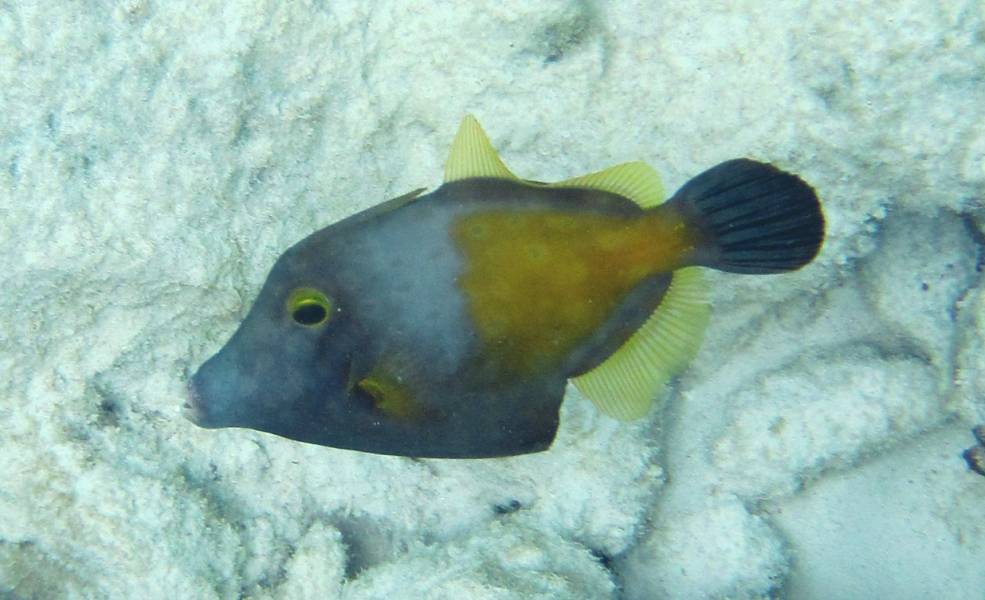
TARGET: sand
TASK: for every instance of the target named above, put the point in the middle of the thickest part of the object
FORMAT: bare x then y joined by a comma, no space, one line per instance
157,157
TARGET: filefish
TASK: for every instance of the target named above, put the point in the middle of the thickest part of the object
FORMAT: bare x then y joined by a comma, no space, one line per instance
448,324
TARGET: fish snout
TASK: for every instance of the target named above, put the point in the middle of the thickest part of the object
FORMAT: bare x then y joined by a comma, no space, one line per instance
193,409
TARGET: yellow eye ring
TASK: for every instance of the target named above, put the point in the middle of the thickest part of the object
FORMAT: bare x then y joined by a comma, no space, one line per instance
309,307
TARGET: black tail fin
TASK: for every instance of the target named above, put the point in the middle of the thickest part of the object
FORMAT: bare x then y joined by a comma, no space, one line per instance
753,218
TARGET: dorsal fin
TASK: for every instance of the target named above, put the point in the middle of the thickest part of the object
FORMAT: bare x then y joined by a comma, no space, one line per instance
473,155
625,385
634,180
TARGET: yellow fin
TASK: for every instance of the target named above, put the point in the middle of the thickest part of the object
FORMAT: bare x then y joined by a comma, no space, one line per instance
390,396
625,385
634,180
473,155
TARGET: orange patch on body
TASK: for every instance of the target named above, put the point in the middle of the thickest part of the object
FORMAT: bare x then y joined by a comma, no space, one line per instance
540,282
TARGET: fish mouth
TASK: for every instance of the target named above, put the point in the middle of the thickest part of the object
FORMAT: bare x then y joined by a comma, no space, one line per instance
192,409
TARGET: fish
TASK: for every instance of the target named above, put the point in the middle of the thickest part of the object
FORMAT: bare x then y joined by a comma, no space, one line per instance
448,324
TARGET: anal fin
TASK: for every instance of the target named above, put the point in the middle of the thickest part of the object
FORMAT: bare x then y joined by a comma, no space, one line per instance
625,384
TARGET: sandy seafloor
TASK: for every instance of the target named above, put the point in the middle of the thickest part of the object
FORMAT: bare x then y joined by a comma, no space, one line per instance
156,158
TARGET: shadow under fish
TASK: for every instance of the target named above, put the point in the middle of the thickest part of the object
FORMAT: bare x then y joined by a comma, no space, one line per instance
447,324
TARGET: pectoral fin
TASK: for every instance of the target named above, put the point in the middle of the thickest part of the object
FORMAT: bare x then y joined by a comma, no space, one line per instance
391,396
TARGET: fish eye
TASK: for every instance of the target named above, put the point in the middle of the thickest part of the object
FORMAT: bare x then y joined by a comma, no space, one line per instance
309,307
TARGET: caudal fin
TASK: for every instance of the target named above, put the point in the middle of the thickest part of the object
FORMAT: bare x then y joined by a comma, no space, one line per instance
752,218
